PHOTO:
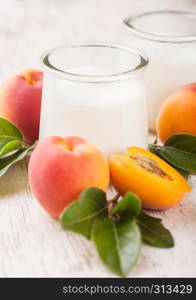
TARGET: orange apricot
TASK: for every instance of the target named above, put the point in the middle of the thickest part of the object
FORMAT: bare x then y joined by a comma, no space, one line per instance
139,171
178,113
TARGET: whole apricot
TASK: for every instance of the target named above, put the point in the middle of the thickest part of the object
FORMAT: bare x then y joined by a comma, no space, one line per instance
178,113
20,102
139,171
61,168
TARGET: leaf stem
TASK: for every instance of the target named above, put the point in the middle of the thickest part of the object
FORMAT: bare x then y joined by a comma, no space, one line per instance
112,203
26,145
154,146
115,198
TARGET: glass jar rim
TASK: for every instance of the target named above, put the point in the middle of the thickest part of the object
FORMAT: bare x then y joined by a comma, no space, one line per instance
128,21
48,66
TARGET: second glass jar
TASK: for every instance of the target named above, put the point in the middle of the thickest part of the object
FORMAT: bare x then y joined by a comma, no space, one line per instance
169,40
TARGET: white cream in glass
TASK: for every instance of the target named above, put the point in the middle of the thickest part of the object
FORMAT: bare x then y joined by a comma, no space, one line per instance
169,40
95,91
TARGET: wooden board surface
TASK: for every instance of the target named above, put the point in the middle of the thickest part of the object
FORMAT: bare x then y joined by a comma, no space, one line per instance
33,244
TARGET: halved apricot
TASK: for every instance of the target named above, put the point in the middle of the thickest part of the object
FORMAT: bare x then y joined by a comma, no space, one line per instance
157,184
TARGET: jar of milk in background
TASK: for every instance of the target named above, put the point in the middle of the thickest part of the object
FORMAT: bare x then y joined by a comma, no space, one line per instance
169,40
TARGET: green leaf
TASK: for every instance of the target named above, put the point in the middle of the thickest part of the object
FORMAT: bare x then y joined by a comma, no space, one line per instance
128,206
8,161
155,141
153,231
10,137
186,142
118,244
179,158
80,215
184,173
156,151
9,130
8,145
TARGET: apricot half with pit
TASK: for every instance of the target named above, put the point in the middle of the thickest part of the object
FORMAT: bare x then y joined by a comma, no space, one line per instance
158,184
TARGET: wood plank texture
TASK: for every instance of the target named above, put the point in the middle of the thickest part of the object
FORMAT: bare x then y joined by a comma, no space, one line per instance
33,244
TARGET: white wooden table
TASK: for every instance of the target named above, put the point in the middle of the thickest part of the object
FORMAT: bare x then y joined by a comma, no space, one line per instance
31,243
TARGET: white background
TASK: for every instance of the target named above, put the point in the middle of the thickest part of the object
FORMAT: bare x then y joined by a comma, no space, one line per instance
28,28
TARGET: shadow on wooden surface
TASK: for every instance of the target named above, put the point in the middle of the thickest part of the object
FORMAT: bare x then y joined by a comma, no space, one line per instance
14,180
